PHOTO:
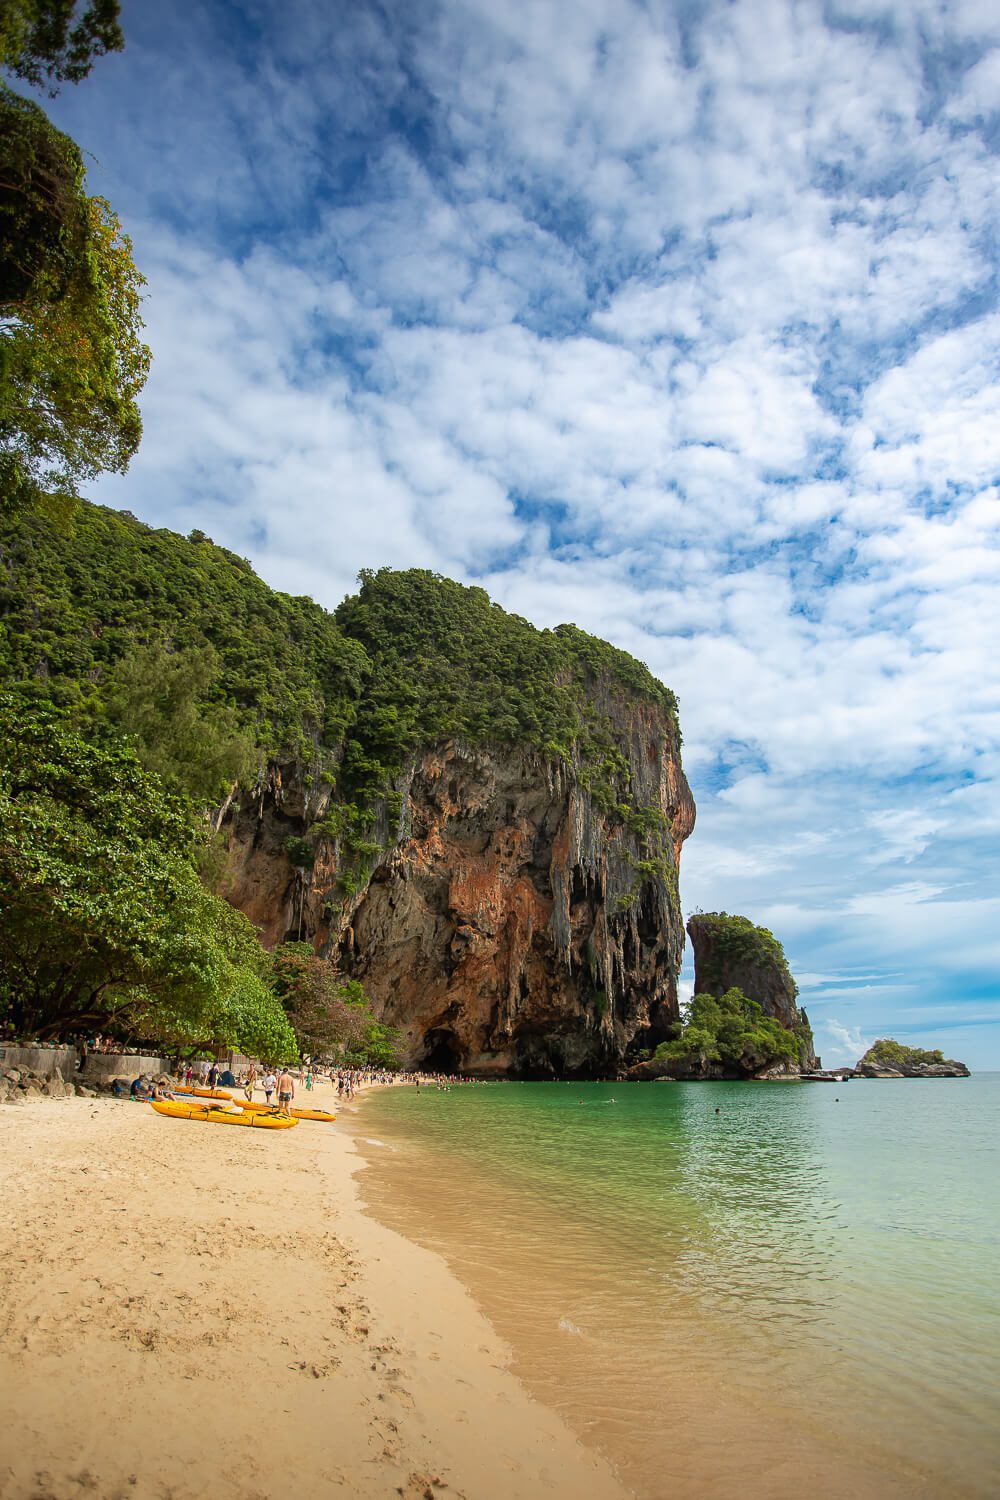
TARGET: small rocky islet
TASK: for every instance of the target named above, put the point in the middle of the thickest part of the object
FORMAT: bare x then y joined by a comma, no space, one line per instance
889,1059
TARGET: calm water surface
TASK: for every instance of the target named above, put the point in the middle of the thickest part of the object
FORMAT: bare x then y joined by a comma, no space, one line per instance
797,1294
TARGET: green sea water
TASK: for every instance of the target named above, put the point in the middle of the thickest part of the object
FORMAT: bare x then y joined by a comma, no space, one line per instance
772,1288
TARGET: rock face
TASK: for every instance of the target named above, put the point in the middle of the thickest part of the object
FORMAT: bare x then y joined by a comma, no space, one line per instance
730,952
508,926
888,1059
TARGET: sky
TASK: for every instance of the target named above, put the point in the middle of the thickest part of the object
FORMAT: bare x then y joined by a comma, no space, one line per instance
677,319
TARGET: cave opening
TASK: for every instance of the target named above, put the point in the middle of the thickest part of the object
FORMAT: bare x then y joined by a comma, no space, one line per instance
441,1051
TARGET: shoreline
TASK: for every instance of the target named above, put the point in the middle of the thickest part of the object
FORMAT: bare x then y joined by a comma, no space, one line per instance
190,1309
678,1405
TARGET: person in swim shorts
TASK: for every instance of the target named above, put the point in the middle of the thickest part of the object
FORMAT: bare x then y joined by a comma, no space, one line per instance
286,1090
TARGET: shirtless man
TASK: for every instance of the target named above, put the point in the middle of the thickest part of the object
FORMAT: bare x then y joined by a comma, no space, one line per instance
286,1090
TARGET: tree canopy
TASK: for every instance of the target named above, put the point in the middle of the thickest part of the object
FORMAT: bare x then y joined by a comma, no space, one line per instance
161,700
47,42
330,1015
731,1031
411,659
103,920
888,1053
72,360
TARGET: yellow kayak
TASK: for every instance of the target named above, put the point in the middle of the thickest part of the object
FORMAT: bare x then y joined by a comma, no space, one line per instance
300,1114
204,1094
180,1109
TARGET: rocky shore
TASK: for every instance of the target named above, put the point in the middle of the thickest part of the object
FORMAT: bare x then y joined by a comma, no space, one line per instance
888,1059
18,1085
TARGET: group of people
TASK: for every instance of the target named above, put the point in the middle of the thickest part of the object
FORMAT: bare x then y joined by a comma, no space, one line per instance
283,1084
205,1074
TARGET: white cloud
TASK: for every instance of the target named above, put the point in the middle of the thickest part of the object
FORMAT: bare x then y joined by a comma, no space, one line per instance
839,1044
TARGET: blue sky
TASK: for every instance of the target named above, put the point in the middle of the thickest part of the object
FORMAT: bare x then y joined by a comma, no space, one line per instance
675,320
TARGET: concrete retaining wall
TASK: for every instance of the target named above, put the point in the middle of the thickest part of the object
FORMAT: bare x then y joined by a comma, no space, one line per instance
104,1065
41,1060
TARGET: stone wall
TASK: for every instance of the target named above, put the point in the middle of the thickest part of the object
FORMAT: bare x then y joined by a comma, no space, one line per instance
41,1060
128,1065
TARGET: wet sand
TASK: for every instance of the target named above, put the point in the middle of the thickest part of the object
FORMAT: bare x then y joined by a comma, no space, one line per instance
189,1310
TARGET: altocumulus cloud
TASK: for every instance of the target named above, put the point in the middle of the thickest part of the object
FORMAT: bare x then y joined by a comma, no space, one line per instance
679,322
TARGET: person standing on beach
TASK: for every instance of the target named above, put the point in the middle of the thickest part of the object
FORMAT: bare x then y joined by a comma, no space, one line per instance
286,1090
249,1082
267,1083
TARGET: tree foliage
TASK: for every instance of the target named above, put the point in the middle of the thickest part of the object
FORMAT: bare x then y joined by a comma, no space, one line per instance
103,920
731,1031
330,1015
75,605
730,942
54,41
410,660
887,1053
160,700
72,360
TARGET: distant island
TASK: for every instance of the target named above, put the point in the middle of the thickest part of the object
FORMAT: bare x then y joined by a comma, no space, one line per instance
888,1059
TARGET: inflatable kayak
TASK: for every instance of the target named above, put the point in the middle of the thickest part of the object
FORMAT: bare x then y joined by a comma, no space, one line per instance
180,1109
300,1114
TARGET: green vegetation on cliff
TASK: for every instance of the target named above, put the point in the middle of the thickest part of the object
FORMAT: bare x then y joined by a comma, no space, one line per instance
330,1015
75,603
886,1053
732,1032
104,922
90,617
731,942
447,662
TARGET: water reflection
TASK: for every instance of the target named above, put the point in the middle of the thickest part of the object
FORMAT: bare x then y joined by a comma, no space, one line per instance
655,1264
758,1179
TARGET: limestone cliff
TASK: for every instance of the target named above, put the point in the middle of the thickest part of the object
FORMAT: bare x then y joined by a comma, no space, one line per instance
507,925
730,952
478,818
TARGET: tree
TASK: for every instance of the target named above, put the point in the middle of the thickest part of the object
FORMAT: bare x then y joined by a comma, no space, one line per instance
328,1013
158,699
43,41
72,361
733,1031
103,920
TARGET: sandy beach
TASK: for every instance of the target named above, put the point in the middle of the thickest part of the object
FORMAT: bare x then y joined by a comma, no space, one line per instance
192,1310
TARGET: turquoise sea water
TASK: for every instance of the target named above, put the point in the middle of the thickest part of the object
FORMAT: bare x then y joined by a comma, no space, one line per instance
798,1293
